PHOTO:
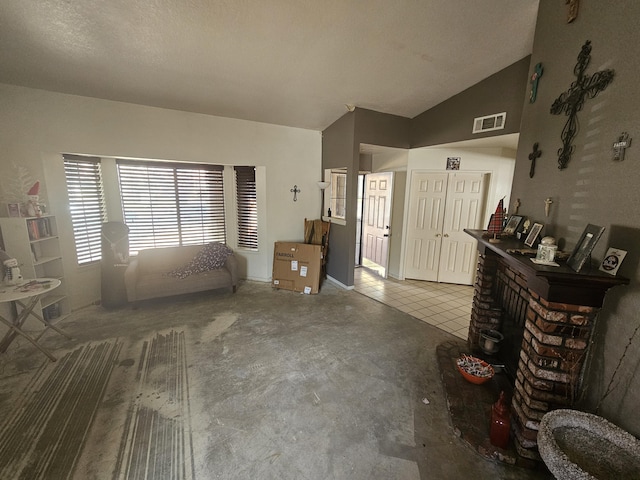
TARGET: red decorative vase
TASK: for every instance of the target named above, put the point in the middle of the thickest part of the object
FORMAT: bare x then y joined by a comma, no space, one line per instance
500,423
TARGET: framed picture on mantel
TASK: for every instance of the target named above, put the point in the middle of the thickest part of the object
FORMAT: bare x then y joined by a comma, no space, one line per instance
533,234
584,247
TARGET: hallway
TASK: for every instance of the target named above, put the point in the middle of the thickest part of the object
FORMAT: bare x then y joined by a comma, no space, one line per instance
442,305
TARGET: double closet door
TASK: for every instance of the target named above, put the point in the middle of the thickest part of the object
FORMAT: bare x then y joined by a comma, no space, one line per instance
441,206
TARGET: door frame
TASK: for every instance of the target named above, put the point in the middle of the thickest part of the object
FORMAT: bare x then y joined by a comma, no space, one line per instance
390,222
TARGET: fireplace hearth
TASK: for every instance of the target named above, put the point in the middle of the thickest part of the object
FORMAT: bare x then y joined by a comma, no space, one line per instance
546,315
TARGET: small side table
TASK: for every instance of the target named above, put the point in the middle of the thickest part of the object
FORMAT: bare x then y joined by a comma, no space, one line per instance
26,296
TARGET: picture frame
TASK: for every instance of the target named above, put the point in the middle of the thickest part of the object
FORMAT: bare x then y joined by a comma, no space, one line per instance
584,247
533,234
13,209
612,260
512,225
453,163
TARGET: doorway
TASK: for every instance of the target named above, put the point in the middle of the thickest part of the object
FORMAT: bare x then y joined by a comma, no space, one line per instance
375,194
376,221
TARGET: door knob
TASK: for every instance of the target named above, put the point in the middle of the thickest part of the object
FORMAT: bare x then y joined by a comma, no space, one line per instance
438,235
446,235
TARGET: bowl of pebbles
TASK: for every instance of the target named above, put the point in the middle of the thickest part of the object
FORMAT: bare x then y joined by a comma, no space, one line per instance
474,369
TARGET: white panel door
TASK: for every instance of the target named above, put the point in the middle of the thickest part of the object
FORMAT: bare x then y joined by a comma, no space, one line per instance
465,204
377,217
427,195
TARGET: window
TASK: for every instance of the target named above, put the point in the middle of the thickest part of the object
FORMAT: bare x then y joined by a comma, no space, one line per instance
167,204
86,204
338,193
246,200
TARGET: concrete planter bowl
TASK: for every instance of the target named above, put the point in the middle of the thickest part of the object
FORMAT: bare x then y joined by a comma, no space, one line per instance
580,446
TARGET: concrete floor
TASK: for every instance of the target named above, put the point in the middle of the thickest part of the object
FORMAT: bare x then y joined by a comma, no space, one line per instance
261,384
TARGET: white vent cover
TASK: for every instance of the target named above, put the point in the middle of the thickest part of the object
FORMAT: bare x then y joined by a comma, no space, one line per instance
490,122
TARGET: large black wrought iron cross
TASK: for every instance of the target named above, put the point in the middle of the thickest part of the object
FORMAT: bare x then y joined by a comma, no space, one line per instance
572,101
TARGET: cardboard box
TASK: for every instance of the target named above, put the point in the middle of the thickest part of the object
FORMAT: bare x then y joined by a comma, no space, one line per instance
296,266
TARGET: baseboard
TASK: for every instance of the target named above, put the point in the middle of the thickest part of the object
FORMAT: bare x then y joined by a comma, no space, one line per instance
340,284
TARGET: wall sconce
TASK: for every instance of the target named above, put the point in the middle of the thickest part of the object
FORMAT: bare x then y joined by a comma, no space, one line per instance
323,186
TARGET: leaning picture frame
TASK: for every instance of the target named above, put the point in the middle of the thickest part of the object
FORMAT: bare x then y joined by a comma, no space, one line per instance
512,225
584,247
533,234
13,209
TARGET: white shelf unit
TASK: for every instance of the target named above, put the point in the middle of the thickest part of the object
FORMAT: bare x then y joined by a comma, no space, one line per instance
34,242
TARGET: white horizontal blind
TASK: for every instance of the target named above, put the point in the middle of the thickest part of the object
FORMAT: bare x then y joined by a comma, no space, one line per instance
247,207
167,205
86,205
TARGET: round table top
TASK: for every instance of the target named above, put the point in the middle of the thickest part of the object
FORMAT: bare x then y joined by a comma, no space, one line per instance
27,288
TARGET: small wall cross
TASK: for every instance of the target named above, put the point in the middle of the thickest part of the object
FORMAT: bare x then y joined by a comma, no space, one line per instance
535,78
295,190
620,146
572,14
533,156
572,101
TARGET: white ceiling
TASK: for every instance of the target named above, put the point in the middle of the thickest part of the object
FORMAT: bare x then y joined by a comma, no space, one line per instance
286,62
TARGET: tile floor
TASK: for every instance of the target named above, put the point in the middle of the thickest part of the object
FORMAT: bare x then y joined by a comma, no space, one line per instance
443,305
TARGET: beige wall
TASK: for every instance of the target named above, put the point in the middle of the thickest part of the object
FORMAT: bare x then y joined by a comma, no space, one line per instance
37,126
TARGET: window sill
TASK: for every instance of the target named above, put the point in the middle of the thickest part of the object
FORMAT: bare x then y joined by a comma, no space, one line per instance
337,221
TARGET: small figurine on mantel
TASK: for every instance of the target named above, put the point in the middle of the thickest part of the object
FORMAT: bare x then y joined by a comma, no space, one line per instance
33,205
516,206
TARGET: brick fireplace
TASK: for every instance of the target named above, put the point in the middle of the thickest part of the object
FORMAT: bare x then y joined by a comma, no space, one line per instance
547,315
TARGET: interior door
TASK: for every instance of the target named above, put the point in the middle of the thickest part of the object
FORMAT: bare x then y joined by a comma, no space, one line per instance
377,218
427,195
464,207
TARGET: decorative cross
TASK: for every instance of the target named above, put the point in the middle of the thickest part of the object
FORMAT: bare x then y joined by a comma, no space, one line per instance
547,206
620,146
295,192
572,101
516,206
573,10
533,156
535,78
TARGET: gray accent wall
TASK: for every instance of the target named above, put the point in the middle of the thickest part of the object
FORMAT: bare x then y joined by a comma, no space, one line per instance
593,188
338,151
341,148
452,120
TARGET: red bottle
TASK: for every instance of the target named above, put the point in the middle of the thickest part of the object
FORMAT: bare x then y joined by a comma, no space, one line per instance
500,423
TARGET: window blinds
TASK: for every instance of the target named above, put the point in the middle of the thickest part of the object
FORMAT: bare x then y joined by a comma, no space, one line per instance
167,204
247,207
86,205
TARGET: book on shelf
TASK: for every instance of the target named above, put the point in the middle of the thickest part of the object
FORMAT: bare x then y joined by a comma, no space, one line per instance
39,228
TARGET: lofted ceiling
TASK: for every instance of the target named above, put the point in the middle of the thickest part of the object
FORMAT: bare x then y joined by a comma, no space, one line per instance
287,62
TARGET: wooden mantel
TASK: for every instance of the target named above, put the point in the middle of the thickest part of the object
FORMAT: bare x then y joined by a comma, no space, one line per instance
554,284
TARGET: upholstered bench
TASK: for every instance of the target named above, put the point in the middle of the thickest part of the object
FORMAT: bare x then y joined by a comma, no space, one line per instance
163,272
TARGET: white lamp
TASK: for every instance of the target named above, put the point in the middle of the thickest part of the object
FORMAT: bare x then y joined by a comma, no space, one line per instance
323,186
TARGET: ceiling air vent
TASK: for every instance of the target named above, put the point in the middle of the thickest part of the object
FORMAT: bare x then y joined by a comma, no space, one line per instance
490,122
